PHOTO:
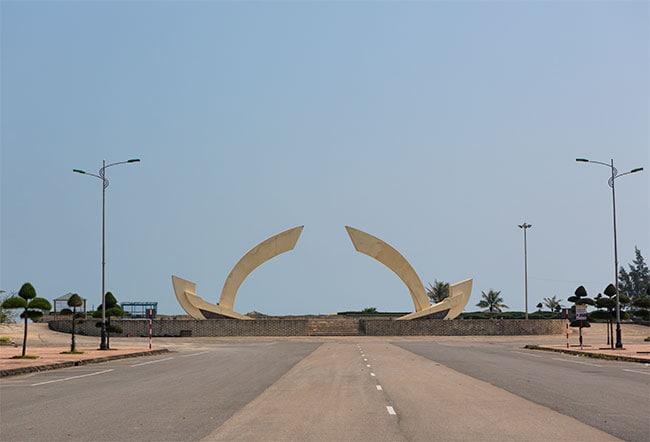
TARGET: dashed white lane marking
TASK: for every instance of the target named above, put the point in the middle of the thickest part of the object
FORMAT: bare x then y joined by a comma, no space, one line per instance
372,374
391,410
527,354
151,362
365,359
637,371
72,377
576,362
379,387
368,365
194,354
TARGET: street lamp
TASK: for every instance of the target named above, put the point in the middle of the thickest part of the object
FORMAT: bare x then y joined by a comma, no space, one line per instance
525,227
102,176
610,181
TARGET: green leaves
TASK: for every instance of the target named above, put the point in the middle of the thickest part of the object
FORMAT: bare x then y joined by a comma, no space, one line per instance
636,282
492,300
40,304
75,301
14,302
27,291
110,300
581,292
438,291
581,297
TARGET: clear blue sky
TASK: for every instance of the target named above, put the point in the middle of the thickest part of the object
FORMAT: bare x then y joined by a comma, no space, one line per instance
436,126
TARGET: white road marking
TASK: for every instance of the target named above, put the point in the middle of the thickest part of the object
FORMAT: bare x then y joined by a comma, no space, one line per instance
379,387
365,359
391,410
368,365
195,354
152,362
73,377
527,354
637,371
372,374
577,362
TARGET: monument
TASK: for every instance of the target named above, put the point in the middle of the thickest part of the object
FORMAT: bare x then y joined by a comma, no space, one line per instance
198,308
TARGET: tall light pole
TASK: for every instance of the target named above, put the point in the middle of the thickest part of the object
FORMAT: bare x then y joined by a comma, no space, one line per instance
610,181
105,182
525,227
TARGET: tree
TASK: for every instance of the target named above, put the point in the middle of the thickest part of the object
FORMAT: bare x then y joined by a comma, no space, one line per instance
635,283
580,297
112,309
74,301
6,315
438,291
539,307
553,304
609,303
492,300
32,306
643,308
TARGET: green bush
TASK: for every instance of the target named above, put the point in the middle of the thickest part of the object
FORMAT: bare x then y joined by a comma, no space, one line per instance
642,314
599,316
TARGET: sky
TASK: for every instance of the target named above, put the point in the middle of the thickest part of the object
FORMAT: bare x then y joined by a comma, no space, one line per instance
438,127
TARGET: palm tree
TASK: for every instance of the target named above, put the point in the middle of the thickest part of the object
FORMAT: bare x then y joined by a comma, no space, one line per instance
553,303
492,301
438,291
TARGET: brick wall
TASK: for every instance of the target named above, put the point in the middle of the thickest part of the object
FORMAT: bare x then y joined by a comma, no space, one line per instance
305,327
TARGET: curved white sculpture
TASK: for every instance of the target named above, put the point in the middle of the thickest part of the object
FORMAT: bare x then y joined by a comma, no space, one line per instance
198,308
374,247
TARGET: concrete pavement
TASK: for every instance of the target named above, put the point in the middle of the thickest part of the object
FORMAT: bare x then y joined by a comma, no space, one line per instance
377,391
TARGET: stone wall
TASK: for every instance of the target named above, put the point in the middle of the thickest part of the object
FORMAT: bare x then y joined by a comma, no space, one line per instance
464,327
306,327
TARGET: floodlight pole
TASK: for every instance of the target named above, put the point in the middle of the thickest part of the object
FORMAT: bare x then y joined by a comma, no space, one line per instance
525,227
102,176
610,181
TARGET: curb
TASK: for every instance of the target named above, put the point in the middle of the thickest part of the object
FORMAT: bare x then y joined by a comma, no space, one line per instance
46,367
588,355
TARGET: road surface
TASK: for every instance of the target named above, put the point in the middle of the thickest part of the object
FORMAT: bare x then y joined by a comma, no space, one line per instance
332,390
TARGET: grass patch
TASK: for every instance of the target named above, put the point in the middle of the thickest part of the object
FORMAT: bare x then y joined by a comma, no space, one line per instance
76,352
25,357
3,339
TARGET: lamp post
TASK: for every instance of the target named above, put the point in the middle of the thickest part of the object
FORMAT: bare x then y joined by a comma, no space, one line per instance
610,181
525,227
105,182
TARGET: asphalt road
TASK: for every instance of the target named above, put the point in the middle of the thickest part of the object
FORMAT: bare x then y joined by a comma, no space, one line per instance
175,397
311,391
609,395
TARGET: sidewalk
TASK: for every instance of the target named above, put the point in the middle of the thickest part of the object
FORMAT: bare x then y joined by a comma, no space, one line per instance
49,345
630,353
50,358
